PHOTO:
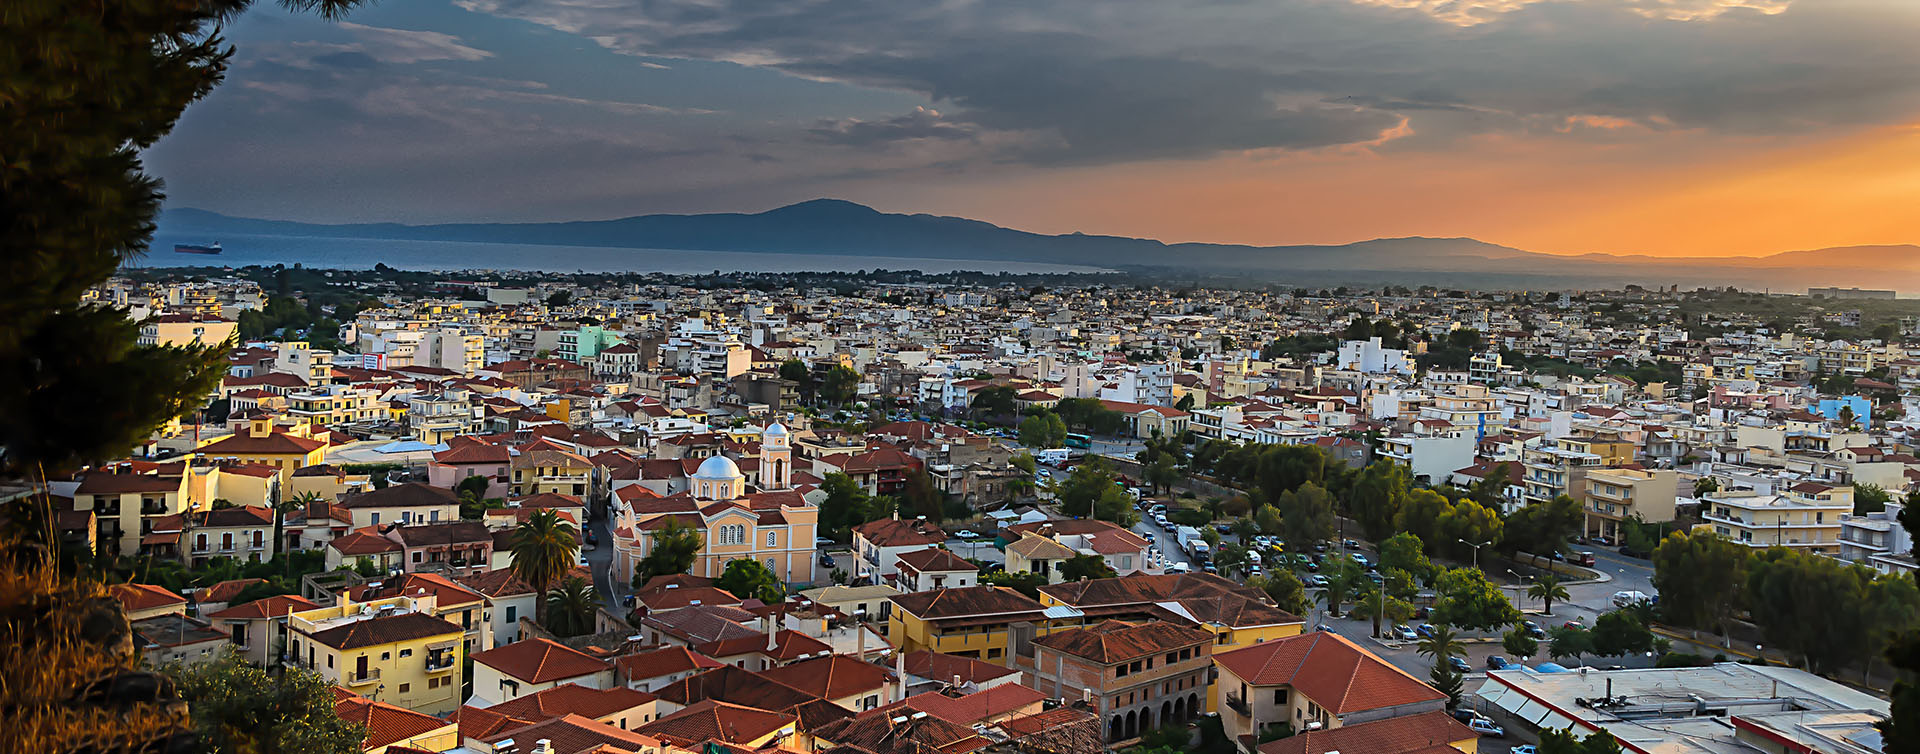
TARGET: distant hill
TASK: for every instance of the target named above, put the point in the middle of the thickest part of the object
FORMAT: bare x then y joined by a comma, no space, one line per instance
832,226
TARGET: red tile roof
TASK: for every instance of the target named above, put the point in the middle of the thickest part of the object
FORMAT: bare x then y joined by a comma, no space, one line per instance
386,724
1411,734
265,607
383,629
1118,641
144,596
944,667
540,661
572,698
662,661
1332,671
830,677
711,720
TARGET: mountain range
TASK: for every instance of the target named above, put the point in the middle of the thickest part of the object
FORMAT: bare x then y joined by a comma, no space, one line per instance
832,226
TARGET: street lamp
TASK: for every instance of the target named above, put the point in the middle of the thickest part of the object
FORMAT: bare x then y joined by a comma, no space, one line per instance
1518,595
1476,551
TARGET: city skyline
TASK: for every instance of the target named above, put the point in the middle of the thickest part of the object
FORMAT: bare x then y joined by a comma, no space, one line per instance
1682,127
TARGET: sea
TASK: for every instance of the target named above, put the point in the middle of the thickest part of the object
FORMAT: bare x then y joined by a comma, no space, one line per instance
363,253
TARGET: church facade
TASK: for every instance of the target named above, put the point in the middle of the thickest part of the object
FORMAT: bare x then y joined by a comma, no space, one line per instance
773,523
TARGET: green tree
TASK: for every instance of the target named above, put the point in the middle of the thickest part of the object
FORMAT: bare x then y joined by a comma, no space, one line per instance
1284,588
1519,644
1343,578
675,545
840,511
1621,632
1467,521
1564,642
1699,576
1185,403
1267,519
1468,600
543,547
750,579
559,298
801,375
998,400
919,496
1024,582
840,384
1564,741
1491,490
1405,552
571,608
1043,431
1081,567
1547,588
1542,529
1377,495
1162,474
237,707
1420,515
1869,498
1901,730
474,485
1306,515
1705,486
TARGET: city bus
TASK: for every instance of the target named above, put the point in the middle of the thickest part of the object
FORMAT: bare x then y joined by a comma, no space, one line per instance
1079,441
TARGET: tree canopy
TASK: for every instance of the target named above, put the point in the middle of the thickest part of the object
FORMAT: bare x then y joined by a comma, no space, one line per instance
750,579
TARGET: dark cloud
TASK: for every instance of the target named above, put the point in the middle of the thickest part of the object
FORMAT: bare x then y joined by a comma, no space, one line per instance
922,123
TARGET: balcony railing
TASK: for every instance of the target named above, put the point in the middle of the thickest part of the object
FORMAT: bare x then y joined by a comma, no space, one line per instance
444,664
1239,705
372,675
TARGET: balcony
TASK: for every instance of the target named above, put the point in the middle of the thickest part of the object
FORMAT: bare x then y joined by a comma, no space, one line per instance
371,676
1235,703
442,665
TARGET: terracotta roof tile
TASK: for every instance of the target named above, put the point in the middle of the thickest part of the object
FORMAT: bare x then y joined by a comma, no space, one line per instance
540,661
1334,672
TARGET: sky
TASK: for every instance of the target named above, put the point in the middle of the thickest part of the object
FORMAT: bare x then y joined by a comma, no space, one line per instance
1664,127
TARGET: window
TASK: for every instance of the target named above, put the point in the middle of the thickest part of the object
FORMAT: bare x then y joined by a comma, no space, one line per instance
387,655
1120,671
512,616
406,687
416,556
1279,696
376,518
771,536
403,653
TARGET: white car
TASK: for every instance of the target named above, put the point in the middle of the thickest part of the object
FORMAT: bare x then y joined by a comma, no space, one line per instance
966,534
1487,727
1524,749
1179,568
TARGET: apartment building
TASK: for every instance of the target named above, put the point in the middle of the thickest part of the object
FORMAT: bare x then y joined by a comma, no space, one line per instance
125,506
969,622
187,330
1136,676
1314,682
1805,516
393,649
1617,495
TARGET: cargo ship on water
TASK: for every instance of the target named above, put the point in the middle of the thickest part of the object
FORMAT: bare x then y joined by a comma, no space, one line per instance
194,248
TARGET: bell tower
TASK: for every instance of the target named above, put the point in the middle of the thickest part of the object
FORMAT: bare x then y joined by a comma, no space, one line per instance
776,458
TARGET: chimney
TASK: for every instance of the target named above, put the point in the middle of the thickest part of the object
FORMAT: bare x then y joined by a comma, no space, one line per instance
543,746
899,675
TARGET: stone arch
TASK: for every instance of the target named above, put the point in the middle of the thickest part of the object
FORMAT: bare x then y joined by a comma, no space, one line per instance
1166,714
1114,728
1133,724
1193,705
1180,709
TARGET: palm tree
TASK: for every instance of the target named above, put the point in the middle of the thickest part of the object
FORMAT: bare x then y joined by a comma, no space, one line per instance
570,608
1441,644
543,549
1547,588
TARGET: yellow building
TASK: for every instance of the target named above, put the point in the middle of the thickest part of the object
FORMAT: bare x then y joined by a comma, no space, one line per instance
392,649
1315,682
546,467
327,405
973,622
261,443
774,526
126,505
187,330
1236,614
1616,495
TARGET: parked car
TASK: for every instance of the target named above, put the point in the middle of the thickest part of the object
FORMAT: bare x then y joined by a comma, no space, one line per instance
1209,568
966,534
1320,547
1583,558
822,542
1422,612
1575,623
1424,629
1361,559
1179,568
1465,715
826,561
1533,629
1223,528
1403,632
1496,662
592,539
1350,544
1524,749
1487,727
1318,580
